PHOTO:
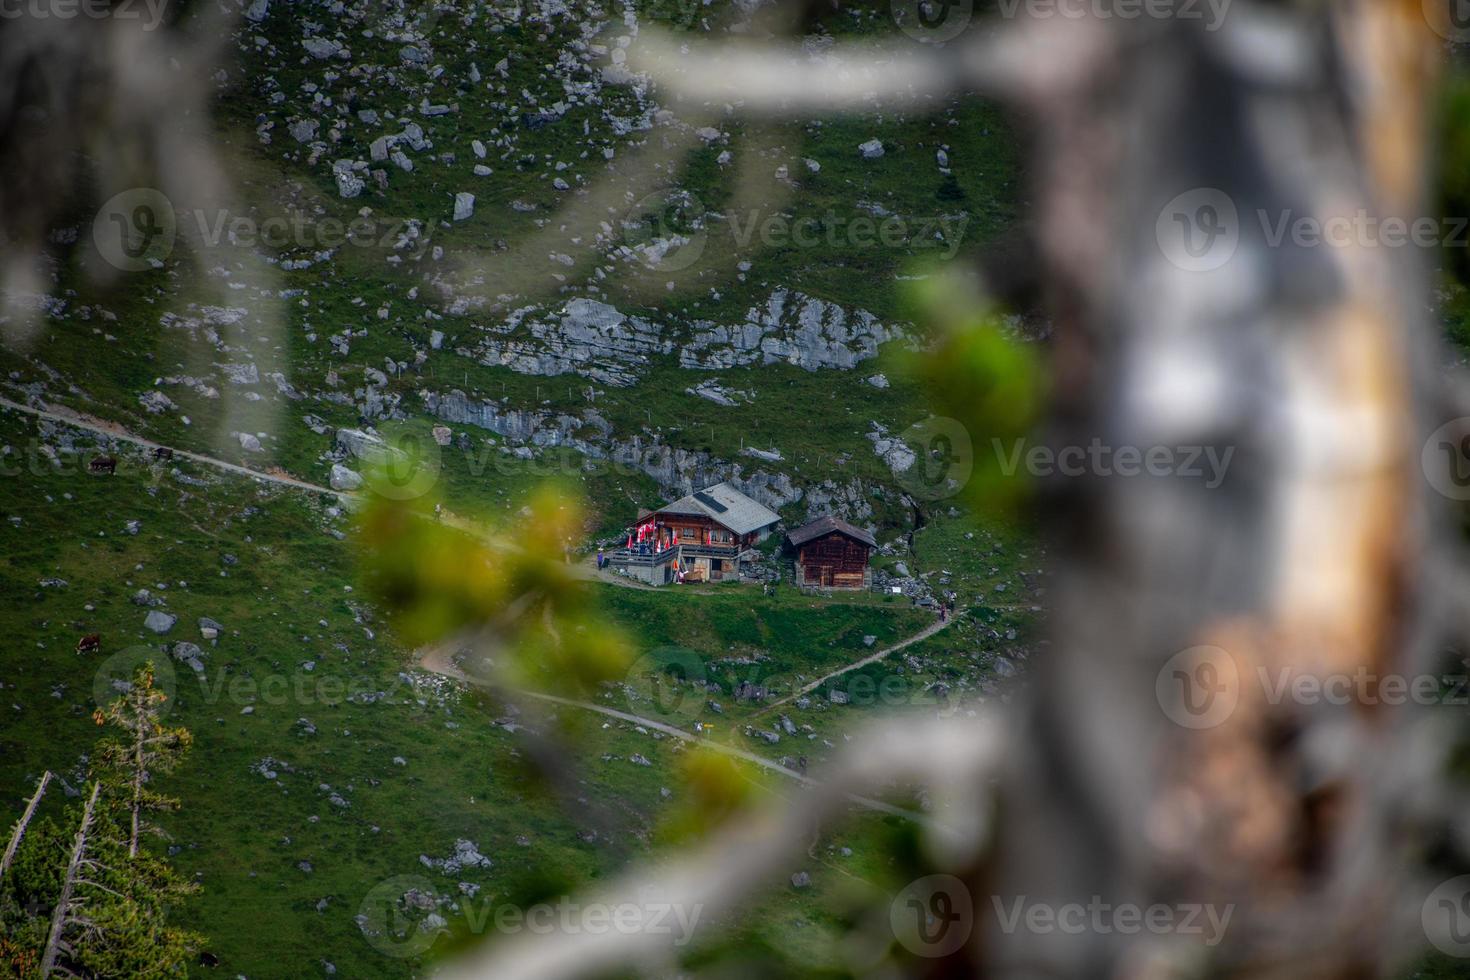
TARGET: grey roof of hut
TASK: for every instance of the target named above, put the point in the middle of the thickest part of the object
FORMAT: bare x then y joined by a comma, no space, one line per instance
725,505
823,526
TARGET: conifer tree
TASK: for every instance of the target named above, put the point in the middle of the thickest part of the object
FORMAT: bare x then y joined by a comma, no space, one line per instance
146,749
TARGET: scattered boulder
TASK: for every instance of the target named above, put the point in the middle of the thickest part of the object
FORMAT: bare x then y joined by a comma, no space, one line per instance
321,47
466,855
156,402
190,654
464,205
349,185
159,622
344,479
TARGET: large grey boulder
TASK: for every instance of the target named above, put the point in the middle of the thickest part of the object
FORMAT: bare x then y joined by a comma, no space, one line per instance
349,185
345,479
159,621
321,47
363,445
156,402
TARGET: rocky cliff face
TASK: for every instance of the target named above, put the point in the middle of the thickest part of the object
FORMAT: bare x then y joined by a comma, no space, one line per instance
597,341
791,328
585,336
677,471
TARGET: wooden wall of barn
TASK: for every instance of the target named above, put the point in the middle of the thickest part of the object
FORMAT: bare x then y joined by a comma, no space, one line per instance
833,561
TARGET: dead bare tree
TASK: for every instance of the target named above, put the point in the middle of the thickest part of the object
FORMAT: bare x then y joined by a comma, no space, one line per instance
66,912
25,819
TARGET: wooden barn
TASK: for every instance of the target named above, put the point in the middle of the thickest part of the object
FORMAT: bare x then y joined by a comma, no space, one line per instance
832,554
699,538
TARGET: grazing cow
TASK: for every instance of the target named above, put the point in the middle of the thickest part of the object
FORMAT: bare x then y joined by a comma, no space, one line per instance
104,464
90,643
163,453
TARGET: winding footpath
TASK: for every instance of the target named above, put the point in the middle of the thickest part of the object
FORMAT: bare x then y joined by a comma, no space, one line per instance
112,430
438,661
923,634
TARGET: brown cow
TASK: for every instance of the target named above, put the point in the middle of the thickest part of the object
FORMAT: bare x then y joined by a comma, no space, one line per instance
90,643
104,464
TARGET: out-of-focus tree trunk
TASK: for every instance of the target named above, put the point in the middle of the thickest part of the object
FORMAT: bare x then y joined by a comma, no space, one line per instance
1311,362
